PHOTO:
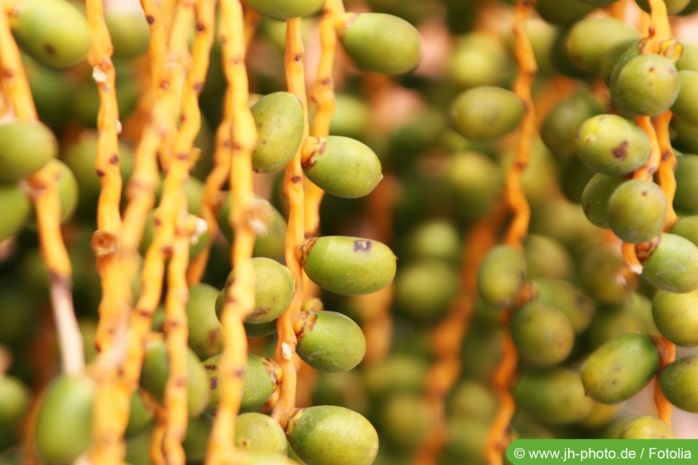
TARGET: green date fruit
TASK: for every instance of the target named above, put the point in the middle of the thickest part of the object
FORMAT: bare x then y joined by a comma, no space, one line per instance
611,144
542,334
486,112
677,381
63,428
424,289
256,431
128,29
686,195
332,435
675,316
609,378
673,7
16,208
646,427
648,84
478,59
381,42
567,298
595,198
685,105
53,32
672,264
285,9
637,210
502,276
279,119
259,382
558,13
14,405
591,38
334,157
205,331
348,265
25,147
330,341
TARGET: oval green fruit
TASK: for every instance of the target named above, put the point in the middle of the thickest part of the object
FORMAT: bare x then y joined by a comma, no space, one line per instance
686,195
259,382
348,265
16,209
672,264
205,331
330,341
279,119
381,42
592,37
334,157
128,29
502,276
424,289
595,198
64,421
646,427
677,381
486,112
648,84
676,317
14,405
542,334
685,105
25,147
285,9
53,32
637,210
259,432
609,378
332,435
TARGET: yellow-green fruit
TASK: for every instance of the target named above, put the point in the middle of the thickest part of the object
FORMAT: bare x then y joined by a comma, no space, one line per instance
589,39
381,43
25,147
676,317
279,120
259,432
502,276
677,381
205,331
672,264
259,382
646,427
64,421
128,29
542,334
348,265
607,375
53,32
14,404
330,341
16,209
332,435
285,9
67,189
486,112
334,157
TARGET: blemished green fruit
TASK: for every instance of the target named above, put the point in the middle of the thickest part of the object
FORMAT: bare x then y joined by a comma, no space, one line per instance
648,84
332,435
156,369
609,378
330,341
671,264
205,331
285,9
685,105
677,381
611,144
543,335
637,210
486,112
63,428
595,198
675,316
278,117
646,427
16,208
502,276
554,397
25,147
591,38
274,287
259,382
335,156
381,42
348,265
259,432
54,32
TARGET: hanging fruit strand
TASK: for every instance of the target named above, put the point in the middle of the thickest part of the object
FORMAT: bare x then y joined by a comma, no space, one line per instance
293,189
239,300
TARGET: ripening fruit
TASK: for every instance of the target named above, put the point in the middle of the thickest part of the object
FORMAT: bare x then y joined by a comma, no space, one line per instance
259,432
16,209
542,334
502,276
486,112
332,435
53,32
591,38
677,381
348,265
279,119
609,378
334,157
675,316
648,84
259,382
285,9
646,427
64,421
381,42
567,298
595,198
611,144
637,210
554,396
330,341
672,264
25,147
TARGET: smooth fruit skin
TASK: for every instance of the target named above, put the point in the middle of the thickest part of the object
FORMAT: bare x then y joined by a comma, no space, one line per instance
676,317
205,331
330,341
686,104
591,38
686,195
647,84
128,29
542,334
637,210
348,265
672,265
608,376
502,276
646,427
677,381
486,112
259,381
259,432
285,9
53,32
64,423
332,435
595,198
16,209
343,167
279,119
25,147
381,43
